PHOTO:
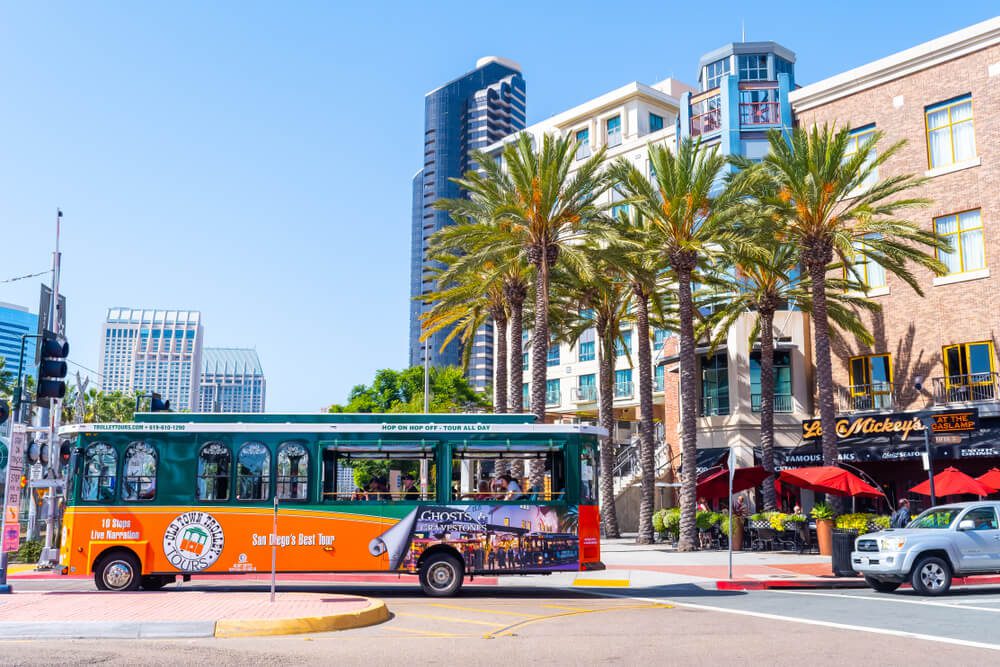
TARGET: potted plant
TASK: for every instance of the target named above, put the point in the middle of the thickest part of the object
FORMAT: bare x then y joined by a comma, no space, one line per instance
823,514
737,537
672,523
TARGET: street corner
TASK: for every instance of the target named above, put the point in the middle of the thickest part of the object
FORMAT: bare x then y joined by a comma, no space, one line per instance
182,614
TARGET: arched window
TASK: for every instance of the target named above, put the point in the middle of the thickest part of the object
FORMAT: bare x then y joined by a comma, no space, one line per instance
214,467
100,470
293,471
253,472
139,472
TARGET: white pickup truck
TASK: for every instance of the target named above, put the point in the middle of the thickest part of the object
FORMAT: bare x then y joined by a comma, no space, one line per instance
943,542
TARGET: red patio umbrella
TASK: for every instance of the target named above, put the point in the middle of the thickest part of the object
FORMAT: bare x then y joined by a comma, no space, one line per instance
953,482
990,478
716,484
829,479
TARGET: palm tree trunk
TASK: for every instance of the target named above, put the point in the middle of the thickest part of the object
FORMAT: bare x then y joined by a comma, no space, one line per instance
689,419
516,401
766,316
606,418
646,445
824,365
539,358
500,363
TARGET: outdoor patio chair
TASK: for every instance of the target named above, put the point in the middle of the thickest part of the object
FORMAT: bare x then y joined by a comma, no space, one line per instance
763,539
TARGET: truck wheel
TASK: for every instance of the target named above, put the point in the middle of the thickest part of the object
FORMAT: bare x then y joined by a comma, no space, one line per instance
154,582
441,575
882,586
931,576
118,571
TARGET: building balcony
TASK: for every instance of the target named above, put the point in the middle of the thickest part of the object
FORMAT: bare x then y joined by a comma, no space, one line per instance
759,113
875,397
782,403
623,390
972,388
706,122
585,394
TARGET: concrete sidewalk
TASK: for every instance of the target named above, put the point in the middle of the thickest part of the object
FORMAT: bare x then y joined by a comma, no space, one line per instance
181,614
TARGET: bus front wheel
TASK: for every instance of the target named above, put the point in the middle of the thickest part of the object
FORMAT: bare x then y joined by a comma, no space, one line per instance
118,571
441,575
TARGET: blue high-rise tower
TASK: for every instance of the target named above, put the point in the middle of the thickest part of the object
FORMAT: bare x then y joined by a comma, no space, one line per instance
466,114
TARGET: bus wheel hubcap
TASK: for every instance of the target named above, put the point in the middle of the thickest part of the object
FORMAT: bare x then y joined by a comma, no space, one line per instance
441,576
932,576
118,574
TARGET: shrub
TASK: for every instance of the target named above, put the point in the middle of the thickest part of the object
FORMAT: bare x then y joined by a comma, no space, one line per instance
658,525
704,520
672,521
821,511
30,551
857,521
882,521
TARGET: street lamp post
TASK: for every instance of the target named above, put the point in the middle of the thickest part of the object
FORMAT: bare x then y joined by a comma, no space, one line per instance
928,421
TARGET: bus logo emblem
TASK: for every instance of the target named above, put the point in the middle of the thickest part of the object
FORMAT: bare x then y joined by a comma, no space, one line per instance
193,541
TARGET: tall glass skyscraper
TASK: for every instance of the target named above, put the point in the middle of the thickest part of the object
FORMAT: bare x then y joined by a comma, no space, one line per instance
14,322
466,114
232,380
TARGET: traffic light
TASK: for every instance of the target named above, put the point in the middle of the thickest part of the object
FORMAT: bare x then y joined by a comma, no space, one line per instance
4,411
157,404
65,452
52,369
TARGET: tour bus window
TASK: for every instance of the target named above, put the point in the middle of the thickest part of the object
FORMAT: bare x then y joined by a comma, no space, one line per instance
214,468
253,472
293,472
519,472
353,474
100,470
139,472
588,475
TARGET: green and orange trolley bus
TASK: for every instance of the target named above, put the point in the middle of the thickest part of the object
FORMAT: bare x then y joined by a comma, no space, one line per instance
442,496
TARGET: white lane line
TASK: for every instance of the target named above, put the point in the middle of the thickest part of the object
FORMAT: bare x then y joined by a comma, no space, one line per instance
808,621
898,600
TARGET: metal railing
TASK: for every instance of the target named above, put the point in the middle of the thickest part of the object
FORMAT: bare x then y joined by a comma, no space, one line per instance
705,122
782,403
863,397
969,388
623,390
759,113
711,406
585,394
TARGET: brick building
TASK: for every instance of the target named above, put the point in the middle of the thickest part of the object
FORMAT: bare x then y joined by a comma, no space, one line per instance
943,98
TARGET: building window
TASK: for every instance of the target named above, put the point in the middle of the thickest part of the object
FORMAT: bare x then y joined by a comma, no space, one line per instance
613,127
552,392
659,338
782,66
964,231
655,122
139,472
623,344
553,357
871,382
586,351
969,372
623,383
714,385
582,144
782,382
524,361
253,472
870,273
293,472
617,209
855,142
760,107
586,388
214,463
525,398
658,377
951,138
714,73
753,68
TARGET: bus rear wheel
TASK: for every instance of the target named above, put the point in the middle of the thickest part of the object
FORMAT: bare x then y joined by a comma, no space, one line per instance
441,575
118,571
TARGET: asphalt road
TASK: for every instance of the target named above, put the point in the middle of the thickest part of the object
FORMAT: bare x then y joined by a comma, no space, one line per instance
499,624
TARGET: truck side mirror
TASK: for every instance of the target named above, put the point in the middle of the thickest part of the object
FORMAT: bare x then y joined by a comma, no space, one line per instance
966,524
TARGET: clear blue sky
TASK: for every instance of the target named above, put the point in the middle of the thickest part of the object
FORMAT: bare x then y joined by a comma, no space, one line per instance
253,160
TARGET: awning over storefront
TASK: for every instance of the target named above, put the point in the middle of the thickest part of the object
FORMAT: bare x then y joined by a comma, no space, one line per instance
708,458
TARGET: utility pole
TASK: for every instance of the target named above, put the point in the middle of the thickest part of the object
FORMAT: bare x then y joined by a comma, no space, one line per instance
50,553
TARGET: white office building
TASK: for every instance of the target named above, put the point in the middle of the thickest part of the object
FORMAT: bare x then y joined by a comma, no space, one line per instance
148,350
232,380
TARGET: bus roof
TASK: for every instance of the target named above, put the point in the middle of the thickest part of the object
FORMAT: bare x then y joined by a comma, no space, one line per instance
331,418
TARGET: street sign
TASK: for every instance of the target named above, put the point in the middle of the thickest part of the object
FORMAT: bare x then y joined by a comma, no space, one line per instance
11,531
947,440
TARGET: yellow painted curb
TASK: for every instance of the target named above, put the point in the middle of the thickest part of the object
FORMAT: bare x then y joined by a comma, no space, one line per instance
375,612
18,568
609,583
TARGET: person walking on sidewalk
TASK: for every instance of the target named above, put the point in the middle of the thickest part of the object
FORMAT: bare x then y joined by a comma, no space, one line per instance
901,516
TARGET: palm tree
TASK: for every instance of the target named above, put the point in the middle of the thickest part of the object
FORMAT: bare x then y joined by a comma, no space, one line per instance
598,298
543,209
689,219
763,284
822,200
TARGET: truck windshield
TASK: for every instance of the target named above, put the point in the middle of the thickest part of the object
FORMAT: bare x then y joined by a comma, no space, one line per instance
937,517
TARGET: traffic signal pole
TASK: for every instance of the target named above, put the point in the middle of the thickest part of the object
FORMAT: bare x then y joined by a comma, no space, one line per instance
49,555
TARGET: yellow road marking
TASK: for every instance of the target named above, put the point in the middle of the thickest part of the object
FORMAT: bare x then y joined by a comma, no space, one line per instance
424,633
449,618
615,583
509,630
556,606
485,611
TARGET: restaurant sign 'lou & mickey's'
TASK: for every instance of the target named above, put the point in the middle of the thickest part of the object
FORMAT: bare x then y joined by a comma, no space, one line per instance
901,426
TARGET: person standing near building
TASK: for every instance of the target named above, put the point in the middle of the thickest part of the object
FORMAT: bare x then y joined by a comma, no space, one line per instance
901,516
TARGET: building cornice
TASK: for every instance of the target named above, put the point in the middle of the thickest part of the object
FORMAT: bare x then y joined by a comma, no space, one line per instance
904,63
